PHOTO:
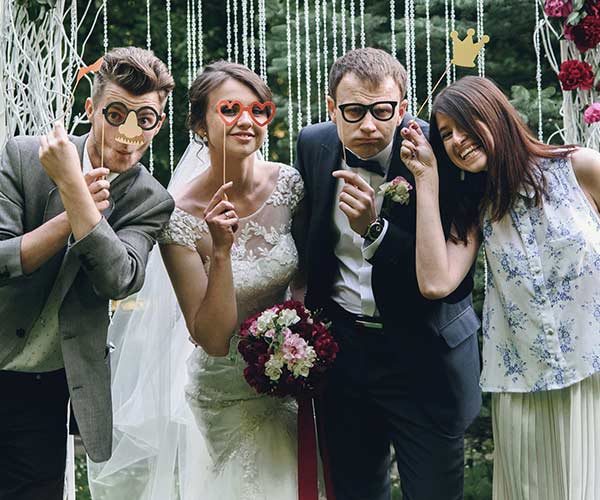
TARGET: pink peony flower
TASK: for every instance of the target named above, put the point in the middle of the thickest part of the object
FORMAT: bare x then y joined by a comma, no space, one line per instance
558,8
293,347
592,113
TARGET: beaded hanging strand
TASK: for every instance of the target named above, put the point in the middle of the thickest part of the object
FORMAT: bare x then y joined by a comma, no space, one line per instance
481,57
188,34
228,10
298,66
252,35
318,55
334,47
393,27
452,28
362,23
343,34
325,58
170,99
307,61
245,32
413,44
200,37
262,48
193,38
236,47
538,69
447,25
149,47
428,50
352,25
290,101
72,52
407,53
105,25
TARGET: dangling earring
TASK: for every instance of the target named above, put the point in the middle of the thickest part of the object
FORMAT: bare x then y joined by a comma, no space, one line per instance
462,175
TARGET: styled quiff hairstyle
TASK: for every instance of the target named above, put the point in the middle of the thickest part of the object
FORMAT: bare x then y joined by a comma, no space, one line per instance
212,77
370,65
138,71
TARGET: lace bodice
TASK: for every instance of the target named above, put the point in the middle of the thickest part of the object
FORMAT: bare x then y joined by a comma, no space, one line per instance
264,260
264,256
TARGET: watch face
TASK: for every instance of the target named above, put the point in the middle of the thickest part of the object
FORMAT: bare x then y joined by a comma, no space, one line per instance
375,230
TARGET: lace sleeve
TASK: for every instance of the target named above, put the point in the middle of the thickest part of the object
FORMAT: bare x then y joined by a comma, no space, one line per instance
292,187
183,229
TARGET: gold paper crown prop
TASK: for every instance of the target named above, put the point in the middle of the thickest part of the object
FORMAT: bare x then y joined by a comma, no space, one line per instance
465,51
463,54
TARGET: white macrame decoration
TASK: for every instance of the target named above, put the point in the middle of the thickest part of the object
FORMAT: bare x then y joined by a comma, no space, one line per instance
39,62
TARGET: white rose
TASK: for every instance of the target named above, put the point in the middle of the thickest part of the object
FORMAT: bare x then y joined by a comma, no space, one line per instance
265,321
273,368
288,317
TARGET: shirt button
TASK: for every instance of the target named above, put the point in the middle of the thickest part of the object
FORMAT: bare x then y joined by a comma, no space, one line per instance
550,331
535,269
20,332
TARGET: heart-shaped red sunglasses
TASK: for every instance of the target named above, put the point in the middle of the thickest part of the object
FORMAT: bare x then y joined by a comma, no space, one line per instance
261,113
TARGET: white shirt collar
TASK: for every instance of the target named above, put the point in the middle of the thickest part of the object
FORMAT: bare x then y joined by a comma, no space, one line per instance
87,163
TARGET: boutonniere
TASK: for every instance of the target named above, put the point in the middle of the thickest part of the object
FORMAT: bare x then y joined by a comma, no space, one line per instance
397,190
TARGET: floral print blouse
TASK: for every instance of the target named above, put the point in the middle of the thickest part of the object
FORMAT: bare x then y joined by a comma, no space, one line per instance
541,315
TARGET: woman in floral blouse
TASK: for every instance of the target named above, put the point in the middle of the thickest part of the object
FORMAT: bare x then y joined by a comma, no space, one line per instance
535,209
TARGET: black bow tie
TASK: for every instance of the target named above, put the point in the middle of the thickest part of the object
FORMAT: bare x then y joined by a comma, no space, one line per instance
371,165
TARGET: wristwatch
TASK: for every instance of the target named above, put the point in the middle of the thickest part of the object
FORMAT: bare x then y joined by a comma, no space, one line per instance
374,230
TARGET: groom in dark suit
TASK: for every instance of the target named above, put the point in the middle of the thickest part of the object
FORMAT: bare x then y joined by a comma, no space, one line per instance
407,371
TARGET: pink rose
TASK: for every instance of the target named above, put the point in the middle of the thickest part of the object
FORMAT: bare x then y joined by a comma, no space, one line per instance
558,8
592,114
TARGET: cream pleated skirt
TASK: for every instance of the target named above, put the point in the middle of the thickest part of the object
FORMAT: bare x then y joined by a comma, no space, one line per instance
547,444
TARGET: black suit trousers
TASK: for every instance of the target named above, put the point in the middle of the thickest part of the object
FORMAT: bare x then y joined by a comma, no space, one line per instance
33,435
371,405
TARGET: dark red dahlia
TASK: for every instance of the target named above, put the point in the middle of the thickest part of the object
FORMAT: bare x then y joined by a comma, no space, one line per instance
576,75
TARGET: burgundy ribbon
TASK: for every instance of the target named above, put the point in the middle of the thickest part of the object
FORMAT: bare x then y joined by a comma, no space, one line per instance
307,454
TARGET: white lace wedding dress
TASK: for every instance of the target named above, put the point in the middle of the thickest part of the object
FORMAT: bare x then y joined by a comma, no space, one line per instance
251,438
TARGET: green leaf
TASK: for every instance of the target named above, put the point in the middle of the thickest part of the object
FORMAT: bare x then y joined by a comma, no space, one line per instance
575,17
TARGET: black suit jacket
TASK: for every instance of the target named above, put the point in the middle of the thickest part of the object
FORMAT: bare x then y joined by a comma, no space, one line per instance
431,332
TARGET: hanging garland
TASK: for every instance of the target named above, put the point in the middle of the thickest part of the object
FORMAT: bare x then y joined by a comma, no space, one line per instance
318,55
325,59
307,62
290,101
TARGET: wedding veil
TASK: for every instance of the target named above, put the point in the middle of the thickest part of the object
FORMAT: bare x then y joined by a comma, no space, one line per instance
158,452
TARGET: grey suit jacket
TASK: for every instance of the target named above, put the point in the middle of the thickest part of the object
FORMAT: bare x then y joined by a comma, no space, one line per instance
108,263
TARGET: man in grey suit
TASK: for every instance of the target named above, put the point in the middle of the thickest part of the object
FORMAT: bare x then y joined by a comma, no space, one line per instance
78,218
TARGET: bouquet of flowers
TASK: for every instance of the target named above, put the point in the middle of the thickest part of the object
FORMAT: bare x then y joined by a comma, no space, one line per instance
287,350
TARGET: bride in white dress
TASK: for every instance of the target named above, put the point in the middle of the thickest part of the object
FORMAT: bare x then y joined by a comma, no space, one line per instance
229,253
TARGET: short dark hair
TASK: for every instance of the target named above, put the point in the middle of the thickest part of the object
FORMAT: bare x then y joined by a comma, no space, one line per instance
135,70
214,75
370,65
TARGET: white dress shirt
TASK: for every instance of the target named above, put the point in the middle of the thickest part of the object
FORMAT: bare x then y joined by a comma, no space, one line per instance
352,287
